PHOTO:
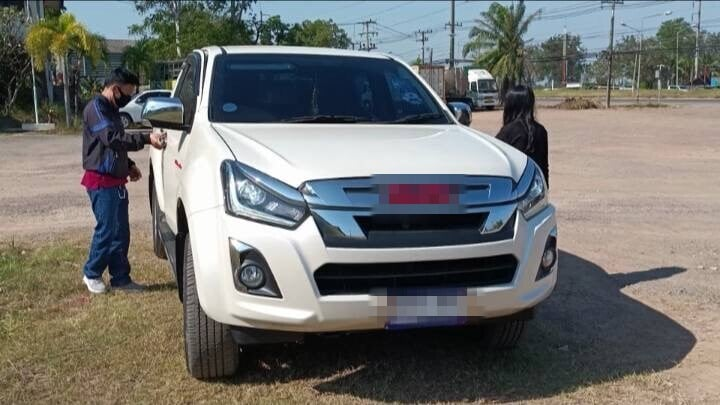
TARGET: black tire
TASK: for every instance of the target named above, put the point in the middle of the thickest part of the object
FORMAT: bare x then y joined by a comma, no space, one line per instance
126,120
210,351
503,335
158,246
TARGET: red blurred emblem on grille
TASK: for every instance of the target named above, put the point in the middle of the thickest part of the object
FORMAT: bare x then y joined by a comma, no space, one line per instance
421,194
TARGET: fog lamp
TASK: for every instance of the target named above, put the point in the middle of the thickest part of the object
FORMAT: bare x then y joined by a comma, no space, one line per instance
252,276
548,258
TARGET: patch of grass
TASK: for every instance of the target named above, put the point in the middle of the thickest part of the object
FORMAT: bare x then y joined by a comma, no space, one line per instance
59,344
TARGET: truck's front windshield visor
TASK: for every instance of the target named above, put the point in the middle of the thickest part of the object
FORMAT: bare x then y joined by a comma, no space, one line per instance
269,88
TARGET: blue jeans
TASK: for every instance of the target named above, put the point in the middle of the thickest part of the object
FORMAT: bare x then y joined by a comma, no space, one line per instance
111,240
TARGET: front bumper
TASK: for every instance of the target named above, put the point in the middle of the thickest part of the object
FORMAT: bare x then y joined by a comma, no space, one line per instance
486,102
293,256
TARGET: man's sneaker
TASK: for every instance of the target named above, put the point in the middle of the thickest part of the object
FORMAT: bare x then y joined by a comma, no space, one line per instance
131,287
95,285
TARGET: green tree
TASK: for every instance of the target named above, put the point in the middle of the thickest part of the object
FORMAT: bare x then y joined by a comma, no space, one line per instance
318,33
162,12
271,32
57,36
15,60
548,62
232,9
678,35
710,54
139,58
195,25
497,42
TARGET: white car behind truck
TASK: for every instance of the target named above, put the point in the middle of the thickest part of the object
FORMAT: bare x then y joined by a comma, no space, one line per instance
308,190
483,89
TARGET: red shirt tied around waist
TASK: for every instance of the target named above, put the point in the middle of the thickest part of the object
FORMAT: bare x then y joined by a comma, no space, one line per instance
93,180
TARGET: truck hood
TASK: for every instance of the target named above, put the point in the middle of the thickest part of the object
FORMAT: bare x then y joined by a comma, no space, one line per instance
297,153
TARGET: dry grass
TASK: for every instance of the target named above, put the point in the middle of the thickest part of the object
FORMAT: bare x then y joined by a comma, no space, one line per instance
644,93
58,344
578,103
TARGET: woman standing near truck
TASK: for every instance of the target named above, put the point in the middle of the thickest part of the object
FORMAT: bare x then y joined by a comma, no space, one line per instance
521,130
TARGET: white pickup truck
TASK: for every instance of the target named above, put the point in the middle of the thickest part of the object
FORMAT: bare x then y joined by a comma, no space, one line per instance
308,190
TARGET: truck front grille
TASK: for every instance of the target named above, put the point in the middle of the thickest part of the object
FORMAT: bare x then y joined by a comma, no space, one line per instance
361,278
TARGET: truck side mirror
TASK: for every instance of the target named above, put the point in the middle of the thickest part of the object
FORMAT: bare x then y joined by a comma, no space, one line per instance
164,112
462,112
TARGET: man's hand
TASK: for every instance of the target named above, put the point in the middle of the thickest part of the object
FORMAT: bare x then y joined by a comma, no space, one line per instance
157,139
134,173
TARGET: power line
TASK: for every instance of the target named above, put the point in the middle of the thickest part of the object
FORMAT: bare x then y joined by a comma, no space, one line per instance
387,9
419,17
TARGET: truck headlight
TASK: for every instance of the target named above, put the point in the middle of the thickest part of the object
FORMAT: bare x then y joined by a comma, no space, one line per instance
255,195
535,198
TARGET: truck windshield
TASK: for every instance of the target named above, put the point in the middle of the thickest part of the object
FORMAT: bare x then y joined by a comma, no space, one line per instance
486,86
264,88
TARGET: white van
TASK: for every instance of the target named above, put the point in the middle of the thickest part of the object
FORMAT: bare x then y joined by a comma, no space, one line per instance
483,89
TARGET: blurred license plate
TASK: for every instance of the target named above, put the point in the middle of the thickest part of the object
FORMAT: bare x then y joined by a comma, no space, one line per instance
425,307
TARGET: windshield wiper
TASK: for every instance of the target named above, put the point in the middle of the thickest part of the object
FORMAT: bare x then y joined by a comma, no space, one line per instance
347,119
417,118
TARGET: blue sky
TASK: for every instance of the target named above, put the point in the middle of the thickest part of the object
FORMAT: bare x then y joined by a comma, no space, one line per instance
398,20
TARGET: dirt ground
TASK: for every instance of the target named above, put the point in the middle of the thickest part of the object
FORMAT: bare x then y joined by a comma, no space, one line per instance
637,307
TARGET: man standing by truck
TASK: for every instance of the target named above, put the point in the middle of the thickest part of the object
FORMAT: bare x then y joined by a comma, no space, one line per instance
107,168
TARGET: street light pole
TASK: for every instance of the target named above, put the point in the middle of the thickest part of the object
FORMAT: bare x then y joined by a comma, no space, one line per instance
639,56
659,73
640,31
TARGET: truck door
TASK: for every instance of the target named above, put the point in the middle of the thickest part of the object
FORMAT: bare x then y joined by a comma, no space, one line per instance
172,162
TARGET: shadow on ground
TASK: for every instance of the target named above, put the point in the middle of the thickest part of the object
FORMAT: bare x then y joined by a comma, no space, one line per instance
587,332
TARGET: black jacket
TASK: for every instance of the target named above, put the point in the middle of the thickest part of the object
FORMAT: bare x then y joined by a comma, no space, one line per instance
516,134
105,142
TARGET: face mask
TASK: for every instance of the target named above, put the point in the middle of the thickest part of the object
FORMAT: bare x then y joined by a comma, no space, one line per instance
122,100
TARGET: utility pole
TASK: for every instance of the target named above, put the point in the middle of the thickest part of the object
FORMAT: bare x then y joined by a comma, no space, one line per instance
610,57
368,46
564,56
697,39
32,66
452,24
677,58
423,38
639,63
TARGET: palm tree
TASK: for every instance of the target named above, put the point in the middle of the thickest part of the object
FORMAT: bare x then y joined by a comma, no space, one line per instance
139,58
497,42
57,36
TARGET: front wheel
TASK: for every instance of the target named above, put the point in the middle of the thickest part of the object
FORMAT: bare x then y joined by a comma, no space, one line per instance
210,351
503,335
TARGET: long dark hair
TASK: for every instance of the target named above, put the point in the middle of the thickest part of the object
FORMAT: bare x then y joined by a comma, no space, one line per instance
520,106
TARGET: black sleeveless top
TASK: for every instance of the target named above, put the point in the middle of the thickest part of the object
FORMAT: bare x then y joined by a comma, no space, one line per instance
516,135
